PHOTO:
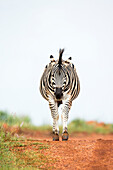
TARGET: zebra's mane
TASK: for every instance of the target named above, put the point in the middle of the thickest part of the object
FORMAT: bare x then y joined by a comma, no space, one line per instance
59,61
60,57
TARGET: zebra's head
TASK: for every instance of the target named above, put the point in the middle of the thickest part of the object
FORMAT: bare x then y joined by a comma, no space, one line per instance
58,75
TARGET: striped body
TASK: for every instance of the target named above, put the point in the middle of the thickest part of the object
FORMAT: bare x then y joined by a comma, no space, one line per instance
60,85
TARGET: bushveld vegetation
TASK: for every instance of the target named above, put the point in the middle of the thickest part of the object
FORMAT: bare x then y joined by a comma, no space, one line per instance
18,152
77,125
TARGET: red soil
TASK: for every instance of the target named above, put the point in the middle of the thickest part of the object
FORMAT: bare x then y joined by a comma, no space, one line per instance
81,151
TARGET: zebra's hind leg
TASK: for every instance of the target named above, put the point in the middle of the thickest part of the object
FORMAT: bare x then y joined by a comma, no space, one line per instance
54,112
65,114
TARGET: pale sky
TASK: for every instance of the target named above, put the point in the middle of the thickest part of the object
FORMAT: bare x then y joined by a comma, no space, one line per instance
32,30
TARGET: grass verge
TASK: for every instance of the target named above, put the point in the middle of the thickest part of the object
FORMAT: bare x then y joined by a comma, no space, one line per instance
16,153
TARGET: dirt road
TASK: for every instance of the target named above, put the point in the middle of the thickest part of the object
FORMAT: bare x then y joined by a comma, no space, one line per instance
81,151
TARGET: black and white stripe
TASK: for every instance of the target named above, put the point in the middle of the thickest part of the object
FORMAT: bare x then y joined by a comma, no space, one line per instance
60,84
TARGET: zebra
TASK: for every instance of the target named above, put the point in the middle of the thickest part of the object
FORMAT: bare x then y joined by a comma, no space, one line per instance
60,84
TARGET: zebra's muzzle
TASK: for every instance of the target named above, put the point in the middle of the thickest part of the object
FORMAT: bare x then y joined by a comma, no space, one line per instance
58,93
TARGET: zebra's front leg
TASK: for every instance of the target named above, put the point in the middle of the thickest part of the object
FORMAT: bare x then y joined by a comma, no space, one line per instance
65,114
54,112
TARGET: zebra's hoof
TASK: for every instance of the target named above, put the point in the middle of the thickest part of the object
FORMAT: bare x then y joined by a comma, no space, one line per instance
55,137
65,136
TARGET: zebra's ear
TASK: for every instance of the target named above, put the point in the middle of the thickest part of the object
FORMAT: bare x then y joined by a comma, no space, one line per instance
68,60
52,58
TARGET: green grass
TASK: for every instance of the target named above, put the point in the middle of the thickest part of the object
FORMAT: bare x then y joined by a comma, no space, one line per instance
41,128
14,151
18,154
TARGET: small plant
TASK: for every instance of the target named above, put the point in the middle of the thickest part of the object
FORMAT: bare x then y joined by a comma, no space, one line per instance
13,119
